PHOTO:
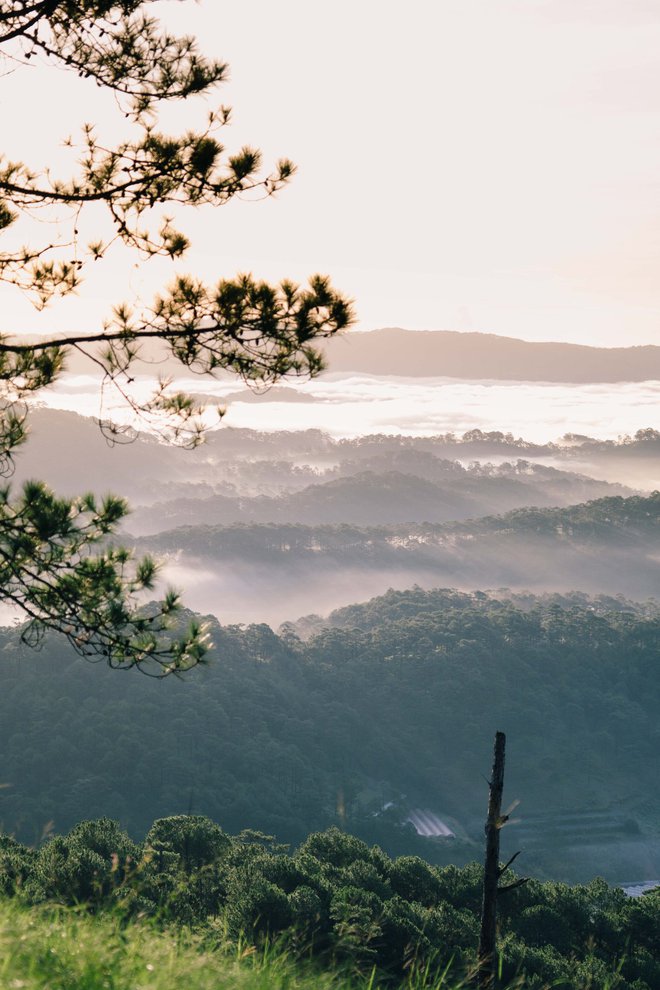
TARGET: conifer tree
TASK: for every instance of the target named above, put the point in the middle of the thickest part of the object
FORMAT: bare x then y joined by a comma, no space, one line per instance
57,562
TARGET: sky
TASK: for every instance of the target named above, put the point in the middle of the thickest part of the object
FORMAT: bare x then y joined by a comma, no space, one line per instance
462,164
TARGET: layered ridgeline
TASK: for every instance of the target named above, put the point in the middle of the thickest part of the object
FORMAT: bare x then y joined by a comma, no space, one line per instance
378,719
263,527
385,490
609,545
248,463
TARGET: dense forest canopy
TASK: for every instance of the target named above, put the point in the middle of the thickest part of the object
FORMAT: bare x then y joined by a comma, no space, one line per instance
383,708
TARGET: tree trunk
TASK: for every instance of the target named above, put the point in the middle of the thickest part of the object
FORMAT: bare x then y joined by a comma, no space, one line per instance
487,938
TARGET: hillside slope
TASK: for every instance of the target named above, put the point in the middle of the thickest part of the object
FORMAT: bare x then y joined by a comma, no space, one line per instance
388,707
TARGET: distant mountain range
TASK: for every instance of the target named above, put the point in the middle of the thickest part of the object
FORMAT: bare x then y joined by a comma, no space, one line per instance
451,354
382,497
393,351
69,452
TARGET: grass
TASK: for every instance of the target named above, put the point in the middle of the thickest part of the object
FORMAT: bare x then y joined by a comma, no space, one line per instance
57,948
63,949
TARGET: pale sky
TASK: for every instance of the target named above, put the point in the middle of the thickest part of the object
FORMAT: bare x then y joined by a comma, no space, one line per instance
488,165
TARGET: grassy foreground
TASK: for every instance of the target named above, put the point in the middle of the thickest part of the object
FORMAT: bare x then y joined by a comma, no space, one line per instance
64,949
46,948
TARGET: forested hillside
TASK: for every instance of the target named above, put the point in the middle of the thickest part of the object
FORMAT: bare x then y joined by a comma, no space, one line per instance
441,491
387,707
247,462
269,571
262,527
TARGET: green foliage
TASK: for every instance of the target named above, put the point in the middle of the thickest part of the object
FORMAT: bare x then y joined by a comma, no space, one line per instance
16,864
62,949
48,570
334,901
387,703
194,839
413,879
84,866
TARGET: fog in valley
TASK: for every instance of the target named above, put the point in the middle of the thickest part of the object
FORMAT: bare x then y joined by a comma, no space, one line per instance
292,527
321,496
266,527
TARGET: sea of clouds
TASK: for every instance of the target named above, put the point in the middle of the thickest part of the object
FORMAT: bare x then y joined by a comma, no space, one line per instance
354,404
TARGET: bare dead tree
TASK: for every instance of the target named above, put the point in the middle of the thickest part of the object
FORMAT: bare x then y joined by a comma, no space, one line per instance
487,953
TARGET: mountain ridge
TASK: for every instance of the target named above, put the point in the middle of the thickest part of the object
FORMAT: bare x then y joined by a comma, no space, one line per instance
458,354
451,354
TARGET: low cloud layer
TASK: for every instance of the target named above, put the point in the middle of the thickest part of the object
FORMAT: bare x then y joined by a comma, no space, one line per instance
351,405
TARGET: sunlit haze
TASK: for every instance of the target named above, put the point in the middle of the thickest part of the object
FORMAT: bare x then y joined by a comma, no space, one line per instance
462,165
346,555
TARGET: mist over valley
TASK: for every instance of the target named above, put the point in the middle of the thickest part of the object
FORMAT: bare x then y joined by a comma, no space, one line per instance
608,546
302,601
260,527
416,384
289,529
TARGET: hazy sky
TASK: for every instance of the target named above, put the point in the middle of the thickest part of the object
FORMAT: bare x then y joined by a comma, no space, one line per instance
486,165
